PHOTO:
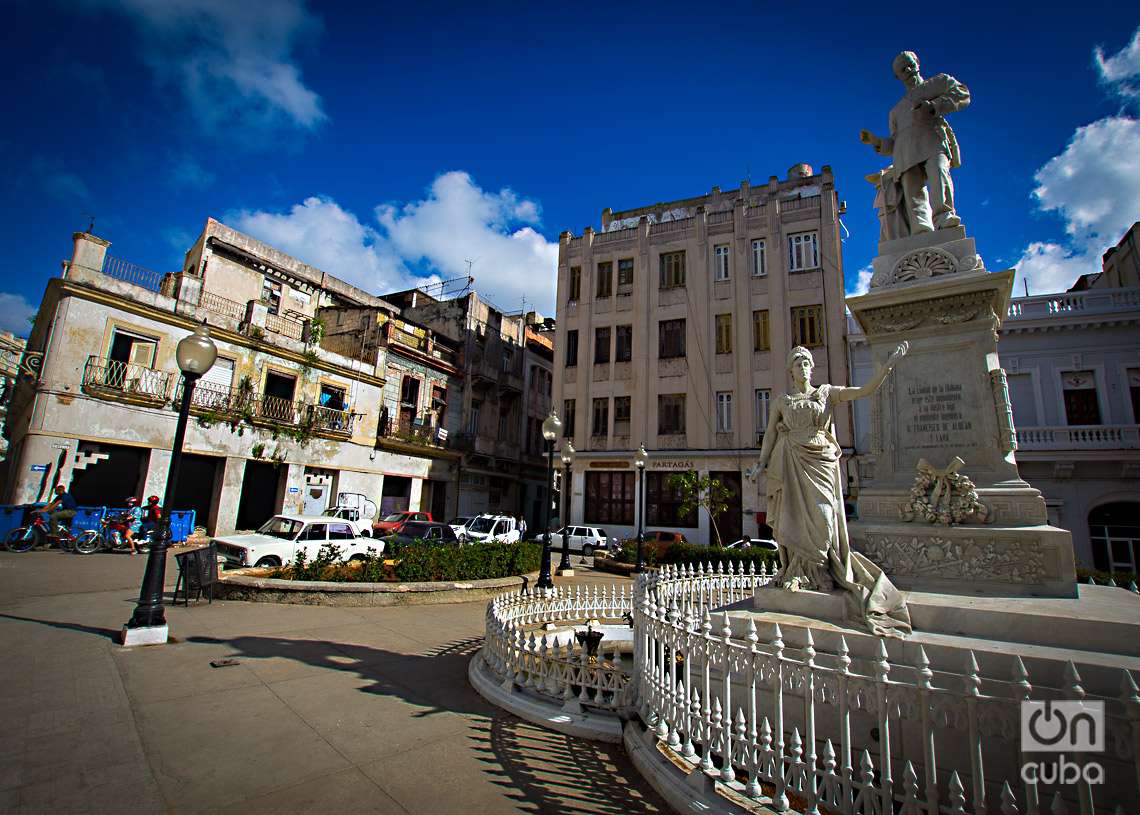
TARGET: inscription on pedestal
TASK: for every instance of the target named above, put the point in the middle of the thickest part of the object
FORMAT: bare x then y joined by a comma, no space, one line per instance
937,413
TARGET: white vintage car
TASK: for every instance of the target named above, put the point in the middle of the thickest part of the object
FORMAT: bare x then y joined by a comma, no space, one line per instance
498,528
282,536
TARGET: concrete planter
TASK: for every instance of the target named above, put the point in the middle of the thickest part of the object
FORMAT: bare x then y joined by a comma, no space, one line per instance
248,584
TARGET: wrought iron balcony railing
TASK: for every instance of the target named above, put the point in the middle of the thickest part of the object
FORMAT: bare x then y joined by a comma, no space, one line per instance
109,377
237,403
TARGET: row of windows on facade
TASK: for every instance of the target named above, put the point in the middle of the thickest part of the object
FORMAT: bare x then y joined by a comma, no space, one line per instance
670,414
807,330
610,498
803,254
1079,392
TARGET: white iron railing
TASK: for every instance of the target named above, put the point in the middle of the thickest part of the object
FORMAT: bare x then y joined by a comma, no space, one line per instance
775,723
557,668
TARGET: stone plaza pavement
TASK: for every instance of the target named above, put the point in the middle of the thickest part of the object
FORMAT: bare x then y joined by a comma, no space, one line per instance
328,709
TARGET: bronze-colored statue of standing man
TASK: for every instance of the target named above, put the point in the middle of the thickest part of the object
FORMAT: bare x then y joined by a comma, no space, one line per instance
923,145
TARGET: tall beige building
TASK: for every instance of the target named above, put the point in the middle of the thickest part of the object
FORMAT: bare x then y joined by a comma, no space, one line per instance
674,325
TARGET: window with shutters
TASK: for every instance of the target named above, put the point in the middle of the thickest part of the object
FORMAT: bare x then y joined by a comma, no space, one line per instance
623,347
803,251
571,348
759,269
1081,405
724,412
807,326
720,262
601,424
672,269
601,345
671,414
760,340
625,272
609,497
605,281
671,339
763,404
575,283
663,503
568,418
724,333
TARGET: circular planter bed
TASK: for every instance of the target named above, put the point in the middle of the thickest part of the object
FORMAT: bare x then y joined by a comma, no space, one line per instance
253,585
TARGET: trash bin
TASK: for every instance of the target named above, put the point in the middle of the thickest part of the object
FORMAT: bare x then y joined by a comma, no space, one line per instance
11,517
87,518
181,524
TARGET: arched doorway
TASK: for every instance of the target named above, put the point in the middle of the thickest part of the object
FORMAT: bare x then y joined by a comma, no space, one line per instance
1114,532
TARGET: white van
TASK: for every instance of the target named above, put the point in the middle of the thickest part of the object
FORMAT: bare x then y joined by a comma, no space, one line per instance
500,528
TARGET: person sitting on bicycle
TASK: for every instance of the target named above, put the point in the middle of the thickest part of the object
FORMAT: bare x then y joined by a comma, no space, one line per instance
133,519
62,508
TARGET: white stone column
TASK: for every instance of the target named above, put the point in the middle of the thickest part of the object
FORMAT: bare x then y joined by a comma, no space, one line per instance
223,518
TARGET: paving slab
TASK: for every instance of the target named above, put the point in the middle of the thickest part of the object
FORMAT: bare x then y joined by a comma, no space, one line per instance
326,709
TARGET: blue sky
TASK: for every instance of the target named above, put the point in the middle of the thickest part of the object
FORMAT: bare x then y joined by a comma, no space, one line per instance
385,144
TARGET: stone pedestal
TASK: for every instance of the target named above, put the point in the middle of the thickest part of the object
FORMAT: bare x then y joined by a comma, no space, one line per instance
948,400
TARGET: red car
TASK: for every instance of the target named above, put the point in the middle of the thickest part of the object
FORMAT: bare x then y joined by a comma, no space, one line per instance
392,523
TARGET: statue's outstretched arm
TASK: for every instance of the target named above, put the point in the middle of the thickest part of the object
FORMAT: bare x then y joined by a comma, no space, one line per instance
850,394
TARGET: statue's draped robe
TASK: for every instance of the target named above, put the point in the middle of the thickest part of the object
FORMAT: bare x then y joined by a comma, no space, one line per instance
805,511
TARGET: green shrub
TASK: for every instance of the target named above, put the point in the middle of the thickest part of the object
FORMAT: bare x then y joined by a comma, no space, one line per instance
692,554
478,561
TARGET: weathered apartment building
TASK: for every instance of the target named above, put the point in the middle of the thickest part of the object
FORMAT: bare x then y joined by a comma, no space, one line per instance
674,323
319,388
507,365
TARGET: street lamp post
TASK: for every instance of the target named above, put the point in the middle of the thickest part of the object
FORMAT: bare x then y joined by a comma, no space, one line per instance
640,458
567,460
147,626
551,427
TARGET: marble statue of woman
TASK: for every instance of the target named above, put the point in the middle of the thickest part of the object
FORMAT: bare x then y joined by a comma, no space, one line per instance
800,458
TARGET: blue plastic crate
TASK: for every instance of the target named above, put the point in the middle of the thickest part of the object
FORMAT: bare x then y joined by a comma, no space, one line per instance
10,517
87,518
181,524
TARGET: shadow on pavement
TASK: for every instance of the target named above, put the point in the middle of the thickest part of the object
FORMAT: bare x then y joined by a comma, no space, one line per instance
545,771
109,633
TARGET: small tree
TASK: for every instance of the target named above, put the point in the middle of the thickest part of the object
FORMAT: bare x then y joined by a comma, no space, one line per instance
699,492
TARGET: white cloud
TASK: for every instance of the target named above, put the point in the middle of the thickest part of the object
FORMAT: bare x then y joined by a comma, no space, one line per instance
459,221
234,62
16,314
421,241
1122,69
1094,186
862,282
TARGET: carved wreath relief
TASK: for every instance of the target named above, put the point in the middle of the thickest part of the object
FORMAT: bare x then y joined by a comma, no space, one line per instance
943,496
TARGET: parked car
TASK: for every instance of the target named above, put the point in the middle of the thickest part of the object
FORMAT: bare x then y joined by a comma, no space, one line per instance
501,528
426,531
754,543
351,515
282,536
391,523
584,539
459,523
659,540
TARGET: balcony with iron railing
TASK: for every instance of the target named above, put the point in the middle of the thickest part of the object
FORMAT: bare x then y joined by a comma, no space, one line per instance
238,404
132,273
416,431
124,381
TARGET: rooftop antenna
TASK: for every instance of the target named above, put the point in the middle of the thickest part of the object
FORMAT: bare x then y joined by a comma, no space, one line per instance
90,226
1025,281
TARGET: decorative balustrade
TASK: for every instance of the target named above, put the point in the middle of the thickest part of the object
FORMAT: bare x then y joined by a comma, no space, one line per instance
555,667
615,235
1092,301
284,326
793,204
108,377
775,723
722,217
230,404
664,227
1084,437
132,273
222,305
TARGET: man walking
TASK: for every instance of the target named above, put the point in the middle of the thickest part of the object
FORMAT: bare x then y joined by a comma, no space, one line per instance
922,144
522,528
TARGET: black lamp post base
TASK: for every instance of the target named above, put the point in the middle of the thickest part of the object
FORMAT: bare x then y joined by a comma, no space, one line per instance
565,571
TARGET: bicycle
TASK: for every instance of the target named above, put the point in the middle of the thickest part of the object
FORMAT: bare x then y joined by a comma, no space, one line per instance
37,534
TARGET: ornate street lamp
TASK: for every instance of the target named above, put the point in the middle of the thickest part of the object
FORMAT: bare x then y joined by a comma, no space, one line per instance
567,460
551,428
640,458
147,626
